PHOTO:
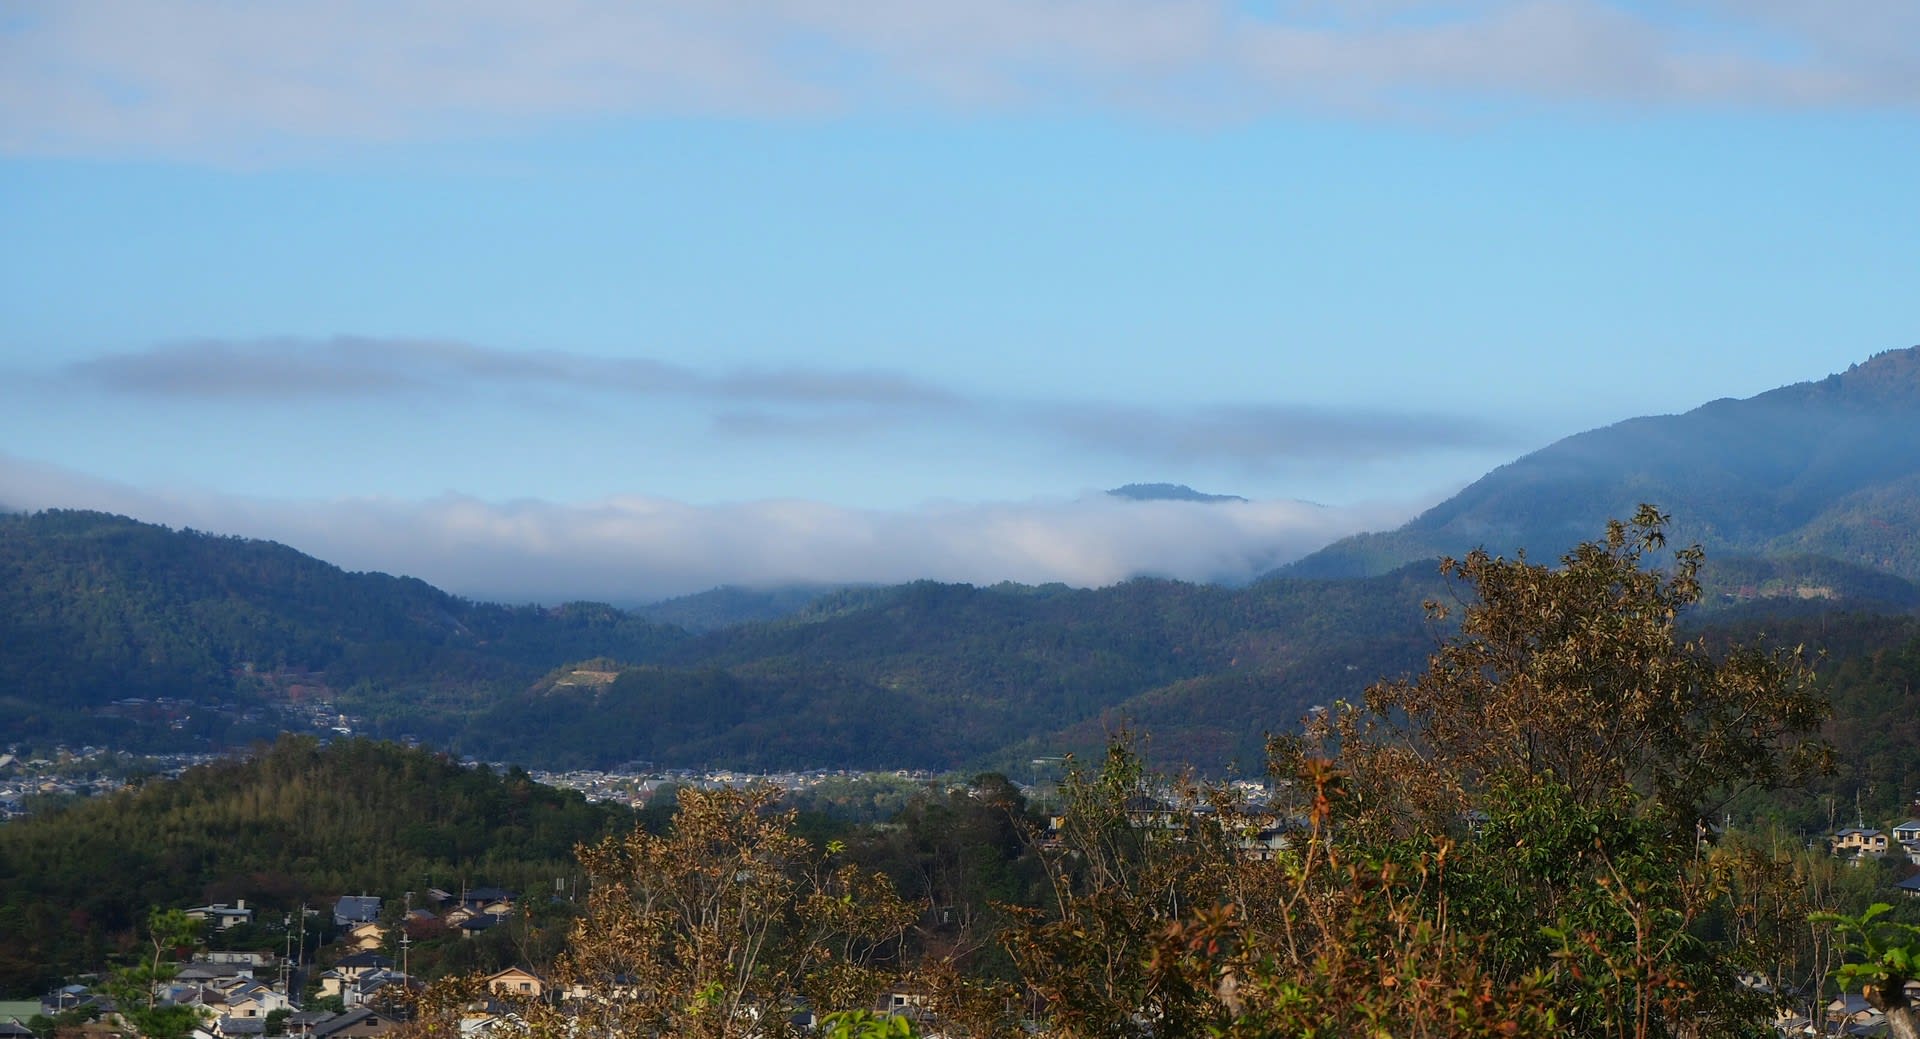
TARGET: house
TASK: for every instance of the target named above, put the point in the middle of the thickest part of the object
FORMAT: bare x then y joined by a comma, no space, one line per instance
1860,842
1852,1010
366,937
376,988
231,1027
492,901
257,960
255,999
515,981
354,1024
1907,832
303,1022
347,973
1909,887
356,909
221,915
472,925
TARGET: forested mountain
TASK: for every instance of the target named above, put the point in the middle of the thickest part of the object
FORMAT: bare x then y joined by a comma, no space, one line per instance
97,608
294,823
1828,468
950,675
728,605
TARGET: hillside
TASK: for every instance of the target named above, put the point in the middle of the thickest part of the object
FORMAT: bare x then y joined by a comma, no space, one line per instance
296,823
97,610
103,616
1828,468
946,676
729,605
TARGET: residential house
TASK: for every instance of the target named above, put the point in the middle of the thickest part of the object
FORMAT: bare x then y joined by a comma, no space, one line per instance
222,916
356,909
1909,887
377,989
517,982
472,925
348,972
492,901
237,1027
366,937
354,1024
1860,842
255,999
259,961
303,1022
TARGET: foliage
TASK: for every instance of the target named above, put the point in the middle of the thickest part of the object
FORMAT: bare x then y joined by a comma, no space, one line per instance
1504,844
296,822
1889,958
727,925
135,989
864,1024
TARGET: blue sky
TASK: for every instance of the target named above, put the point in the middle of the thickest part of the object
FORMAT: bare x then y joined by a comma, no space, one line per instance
624,300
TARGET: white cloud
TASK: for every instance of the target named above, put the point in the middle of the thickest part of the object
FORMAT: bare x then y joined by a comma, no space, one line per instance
233,79
634,549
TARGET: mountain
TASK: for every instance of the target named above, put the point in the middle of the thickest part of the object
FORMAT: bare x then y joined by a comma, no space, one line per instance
730,605
1168,492
102,617
950,676
1828,468
122,633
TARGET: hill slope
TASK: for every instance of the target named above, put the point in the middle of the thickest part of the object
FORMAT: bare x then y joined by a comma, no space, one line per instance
1828,468
296,823
96,609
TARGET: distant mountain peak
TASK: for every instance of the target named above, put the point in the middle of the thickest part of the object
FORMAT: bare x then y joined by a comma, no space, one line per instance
1168,492
1828,467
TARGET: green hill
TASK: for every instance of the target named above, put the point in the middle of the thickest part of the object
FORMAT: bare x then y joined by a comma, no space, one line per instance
296,823
96,609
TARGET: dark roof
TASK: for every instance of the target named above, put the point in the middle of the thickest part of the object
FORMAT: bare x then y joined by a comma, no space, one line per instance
357,909
343,1022
1910,884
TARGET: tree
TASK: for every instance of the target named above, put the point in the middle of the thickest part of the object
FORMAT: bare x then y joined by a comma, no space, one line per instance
1889,958
1507,843
136,989
1572,743
726,925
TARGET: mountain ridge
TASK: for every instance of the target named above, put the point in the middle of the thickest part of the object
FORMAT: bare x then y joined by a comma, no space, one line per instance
1792,469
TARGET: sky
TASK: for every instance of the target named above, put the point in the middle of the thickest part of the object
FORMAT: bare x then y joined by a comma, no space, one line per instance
588,299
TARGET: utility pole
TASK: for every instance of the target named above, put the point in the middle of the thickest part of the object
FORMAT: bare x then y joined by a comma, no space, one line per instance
405,941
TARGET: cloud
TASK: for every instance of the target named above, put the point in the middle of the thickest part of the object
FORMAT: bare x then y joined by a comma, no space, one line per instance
1263,435
229,78
815,404
350,366
635,549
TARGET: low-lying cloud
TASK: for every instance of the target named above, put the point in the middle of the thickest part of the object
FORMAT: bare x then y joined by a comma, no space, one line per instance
203,78
636,549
